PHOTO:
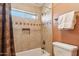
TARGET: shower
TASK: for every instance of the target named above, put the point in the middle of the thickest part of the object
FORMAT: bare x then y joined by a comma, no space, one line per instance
29,28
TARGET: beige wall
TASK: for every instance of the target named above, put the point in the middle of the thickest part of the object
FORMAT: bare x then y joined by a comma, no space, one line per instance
34,40
23,40
26,7
47,29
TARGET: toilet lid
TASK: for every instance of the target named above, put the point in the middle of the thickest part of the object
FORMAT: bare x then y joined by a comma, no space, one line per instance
65,46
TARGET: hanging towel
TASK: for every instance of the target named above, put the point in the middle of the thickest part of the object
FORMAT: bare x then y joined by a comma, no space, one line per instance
67,21
61,20
70,20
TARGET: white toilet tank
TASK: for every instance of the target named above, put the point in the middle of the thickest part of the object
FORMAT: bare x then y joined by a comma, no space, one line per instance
63,49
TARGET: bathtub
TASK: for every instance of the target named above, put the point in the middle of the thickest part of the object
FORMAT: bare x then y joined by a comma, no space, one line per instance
33,52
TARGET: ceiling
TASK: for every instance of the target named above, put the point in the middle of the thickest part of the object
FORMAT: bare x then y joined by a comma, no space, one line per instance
40,4
37,4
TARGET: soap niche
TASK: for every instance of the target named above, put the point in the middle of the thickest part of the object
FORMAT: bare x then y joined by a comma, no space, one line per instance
26,30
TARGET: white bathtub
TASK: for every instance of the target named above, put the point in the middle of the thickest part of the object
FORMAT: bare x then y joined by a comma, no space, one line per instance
33,52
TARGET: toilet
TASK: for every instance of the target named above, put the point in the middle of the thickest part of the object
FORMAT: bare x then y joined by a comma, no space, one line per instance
63,49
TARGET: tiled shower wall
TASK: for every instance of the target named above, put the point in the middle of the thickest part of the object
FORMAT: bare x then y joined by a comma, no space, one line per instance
47,28
25,40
